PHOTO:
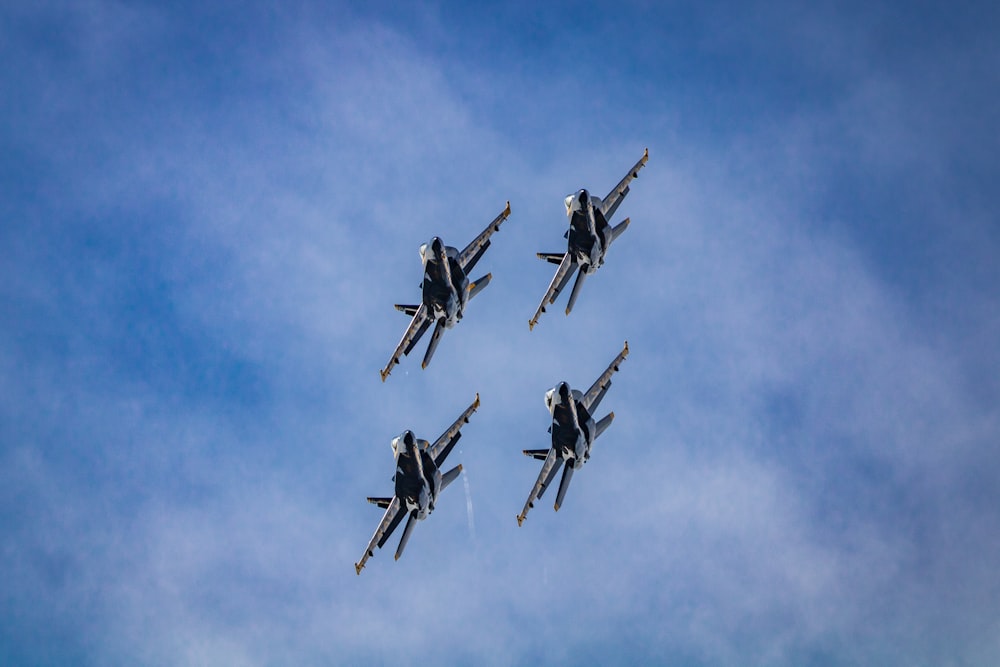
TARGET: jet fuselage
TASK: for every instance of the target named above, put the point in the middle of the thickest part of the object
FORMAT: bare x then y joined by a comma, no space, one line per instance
589,233
573,429
418,479
445,286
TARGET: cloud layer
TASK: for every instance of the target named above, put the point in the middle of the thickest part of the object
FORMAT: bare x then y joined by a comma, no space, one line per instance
212,218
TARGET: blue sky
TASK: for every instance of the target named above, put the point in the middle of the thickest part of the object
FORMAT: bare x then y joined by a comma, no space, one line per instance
208,214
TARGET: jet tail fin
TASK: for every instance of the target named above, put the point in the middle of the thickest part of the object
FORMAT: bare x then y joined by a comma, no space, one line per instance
539,454
551,257
409,310
450,476
478,286
603,425
381,502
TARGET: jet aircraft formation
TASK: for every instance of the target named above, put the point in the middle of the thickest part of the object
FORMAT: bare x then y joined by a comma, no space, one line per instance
445,293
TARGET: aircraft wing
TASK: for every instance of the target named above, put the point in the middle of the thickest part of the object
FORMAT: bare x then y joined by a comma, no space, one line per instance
616,196
442,446
392,518
418,325
563,274
596,391
468,257
545,476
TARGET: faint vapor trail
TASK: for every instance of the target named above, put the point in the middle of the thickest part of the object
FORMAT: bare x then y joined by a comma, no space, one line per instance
468,505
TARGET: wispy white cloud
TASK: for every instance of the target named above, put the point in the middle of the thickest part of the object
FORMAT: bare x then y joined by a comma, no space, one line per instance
799,470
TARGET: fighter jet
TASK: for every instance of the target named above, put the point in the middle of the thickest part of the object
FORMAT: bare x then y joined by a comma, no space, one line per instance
573,432
589,237
446,290
418,482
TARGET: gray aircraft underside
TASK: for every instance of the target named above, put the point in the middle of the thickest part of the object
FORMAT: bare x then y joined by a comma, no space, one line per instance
588,239
445,291
573,430
418,481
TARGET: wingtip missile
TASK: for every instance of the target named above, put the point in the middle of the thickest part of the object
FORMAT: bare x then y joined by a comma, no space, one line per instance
625,350
475,404
357,567
531,324
645,155
520,520
506,211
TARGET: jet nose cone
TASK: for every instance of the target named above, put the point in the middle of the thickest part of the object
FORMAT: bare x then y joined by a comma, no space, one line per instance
577,201
436,245
563,391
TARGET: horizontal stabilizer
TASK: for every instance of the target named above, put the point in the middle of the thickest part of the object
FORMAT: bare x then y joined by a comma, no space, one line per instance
409,310
435,338
619,228
450,476
539,454
576,290
604,424
381,502
406,534
563,485
551,257
478,286
564,281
